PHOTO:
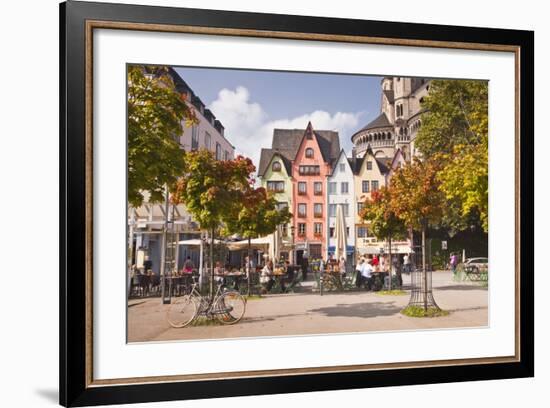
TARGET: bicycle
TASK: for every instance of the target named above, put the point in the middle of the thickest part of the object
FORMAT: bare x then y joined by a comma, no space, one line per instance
228,306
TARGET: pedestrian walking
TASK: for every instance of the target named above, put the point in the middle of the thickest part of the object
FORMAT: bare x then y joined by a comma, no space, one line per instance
454,262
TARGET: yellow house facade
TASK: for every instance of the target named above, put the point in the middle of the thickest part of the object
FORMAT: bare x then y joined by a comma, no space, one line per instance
371,174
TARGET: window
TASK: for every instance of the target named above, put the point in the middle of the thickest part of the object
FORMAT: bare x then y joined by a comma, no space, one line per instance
361,232
360,207
331,232
347,232
276,186
318,228
284,230
225,155
207,140
345,210
302,187
309,152
332,187
315,251
369,165
276,166
281,205
302,210
317,210
332,210
344,188
309,170
301,229
374,185
365,185
218,151
318,188
194,138
342,167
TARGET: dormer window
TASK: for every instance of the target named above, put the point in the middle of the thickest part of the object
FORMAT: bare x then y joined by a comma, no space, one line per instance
309,153
276,166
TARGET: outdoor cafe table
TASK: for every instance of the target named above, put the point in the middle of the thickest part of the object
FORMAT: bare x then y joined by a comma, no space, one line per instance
232,279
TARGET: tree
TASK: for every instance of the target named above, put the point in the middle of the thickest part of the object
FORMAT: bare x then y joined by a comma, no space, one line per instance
212,191
379,211
465,181
419,201
454,133
256,215
156,112
456,114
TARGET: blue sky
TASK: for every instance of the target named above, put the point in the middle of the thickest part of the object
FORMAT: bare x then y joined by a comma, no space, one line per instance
251,103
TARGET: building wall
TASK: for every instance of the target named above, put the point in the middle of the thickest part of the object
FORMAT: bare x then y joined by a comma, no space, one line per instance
309,199
363,244
338,197
203,127
281,197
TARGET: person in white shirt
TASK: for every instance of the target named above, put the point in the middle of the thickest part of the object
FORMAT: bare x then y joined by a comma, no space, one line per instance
366,274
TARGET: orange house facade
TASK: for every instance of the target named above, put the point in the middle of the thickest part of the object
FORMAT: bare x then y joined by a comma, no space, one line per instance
310,168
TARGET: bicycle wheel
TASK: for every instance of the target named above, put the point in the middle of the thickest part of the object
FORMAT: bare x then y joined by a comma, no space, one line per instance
181,312
230,307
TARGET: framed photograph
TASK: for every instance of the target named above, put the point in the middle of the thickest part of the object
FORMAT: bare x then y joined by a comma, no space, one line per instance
257,204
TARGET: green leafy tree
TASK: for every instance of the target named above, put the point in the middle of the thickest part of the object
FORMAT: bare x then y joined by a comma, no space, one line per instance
156,112
419,201
212,191
454,133
379,211
456,114
256,215
465,180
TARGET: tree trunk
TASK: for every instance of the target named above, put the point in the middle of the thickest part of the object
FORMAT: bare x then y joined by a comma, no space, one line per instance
389,269
424,272
212,264
249,267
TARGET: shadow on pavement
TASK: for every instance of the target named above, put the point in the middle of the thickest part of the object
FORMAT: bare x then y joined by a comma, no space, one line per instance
460,287
365,310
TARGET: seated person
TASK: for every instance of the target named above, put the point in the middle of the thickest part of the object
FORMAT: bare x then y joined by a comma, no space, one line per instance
266,277
188,266
218,273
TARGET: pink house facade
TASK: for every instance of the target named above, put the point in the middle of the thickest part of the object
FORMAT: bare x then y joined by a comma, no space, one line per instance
310,168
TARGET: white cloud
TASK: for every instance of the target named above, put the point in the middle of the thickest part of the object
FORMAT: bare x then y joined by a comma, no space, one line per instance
248,127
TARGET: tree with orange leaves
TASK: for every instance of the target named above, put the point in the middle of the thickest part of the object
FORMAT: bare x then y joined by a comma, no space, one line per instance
212,191
379,211
419,202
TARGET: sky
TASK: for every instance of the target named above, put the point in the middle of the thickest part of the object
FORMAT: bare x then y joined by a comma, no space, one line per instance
250,104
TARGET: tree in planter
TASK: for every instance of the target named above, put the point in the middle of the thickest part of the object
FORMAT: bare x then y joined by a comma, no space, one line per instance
156,112
212,191
379,211
418,202
256,215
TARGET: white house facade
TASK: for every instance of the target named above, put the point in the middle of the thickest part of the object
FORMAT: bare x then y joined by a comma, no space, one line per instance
341,191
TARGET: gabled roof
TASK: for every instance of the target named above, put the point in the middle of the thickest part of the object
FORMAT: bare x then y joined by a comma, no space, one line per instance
356,164
337,160
382,164
266,158
288,141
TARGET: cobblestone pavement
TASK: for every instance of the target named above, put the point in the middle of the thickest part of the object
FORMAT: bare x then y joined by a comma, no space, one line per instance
310,313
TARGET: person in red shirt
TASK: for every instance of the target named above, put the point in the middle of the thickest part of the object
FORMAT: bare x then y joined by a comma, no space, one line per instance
374,261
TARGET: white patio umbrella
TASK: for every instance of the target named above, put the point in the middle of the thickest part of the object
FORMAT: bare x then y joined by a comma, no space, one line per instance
340,234
275,245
